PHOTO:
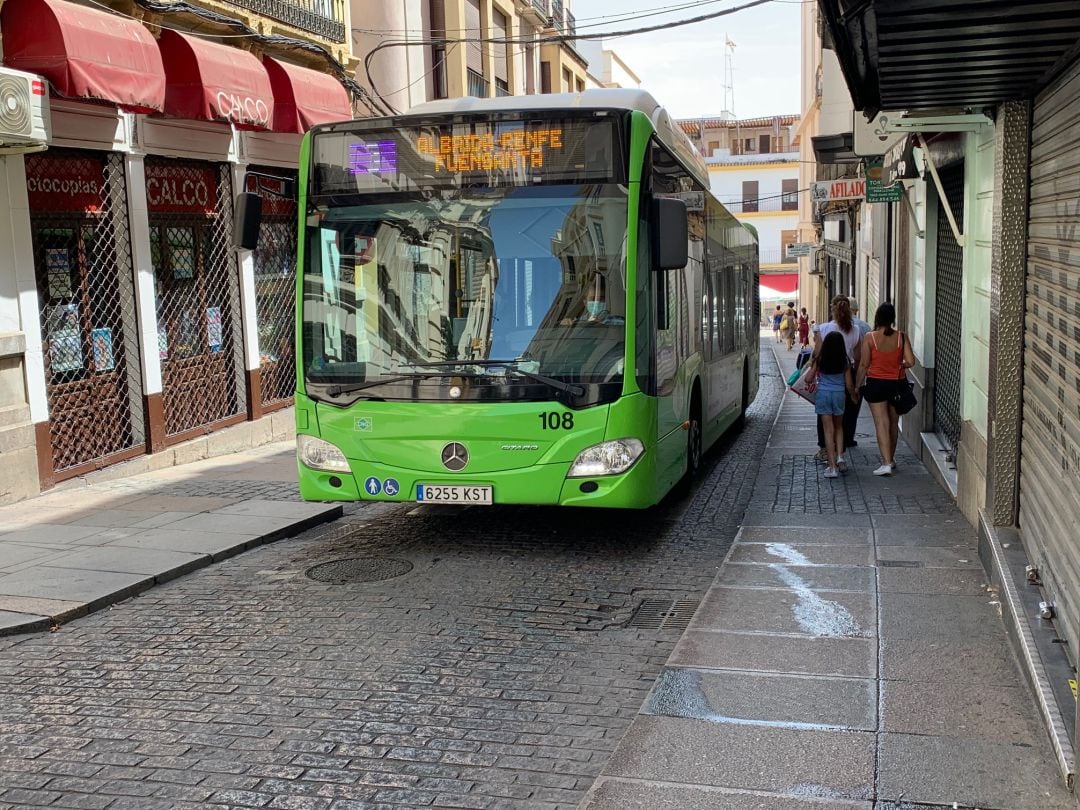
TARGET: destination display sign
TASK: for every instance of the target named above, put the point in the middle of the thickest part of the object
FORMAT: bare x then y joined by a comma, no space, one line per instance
495,153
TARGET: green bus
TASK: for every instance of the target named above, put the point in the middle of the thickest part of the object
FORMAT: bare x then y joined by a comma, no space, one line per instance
521,300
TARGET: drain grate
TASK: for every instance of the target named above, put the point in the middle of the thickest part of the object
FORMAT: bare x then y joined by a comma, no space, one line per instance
664,614
358,569
899,564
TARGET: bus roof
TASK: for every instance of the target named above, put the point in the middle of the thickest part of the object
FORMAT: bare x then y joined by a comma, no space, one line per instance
603,99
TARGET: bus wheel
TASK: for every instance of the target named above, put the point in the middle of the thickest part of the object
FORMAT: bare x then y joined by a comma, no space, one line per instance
693,440
745,402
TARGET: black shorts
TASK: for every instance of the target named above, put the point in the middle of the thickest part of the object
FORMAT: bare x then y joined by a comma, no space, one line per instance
877,390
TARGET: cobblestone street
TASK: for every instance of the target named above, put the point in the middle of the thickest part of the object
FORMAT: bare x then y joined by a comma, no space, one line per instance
498,671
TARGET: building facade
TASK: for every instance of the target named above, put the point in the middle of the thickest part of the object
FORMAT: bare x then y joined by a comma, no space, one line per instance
129,326
981,255
414,51
754,171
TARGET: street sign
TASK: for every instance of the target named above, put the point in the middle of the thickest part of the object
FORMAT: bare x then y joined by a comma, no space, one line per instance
899,162
876,191
798,249
871,139
851,188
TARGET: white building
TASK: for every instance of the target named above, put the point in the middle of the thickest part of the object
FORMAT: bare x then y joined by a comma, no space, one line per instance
754,170
606,67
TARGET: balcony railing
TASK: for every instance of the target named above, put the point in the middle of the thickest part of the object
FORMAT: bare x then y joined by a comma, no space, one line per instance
324,18
541,6
775,257
557,15
571,24
478,85
752,206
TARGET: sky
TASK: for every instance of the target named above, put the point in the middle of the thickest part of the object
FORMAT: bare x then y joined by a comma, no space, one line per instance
684,67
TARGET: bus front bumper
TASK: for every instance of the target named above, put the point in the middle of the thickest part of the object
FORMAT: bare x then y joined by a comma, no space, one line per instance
541,485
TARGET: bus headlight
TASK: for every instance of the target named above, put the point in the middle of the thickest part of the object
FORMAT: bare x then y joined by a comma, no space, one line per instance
320,455
607,458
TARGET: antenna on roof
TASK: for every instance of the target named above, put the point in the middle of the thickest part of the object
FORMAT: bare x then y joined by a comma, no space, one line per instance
729,75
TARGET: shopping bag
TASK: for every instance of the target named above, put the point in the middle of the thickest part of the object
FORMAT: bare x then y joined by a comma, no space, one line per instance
807,384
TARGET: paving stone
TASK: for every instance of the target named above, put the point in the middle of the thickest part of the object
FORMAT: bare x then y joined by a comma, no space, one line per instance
809,655
831,535
816,577
787,700
21,622
854,554
829,764
49,534
42,582
982,712
131,561
624,794
973,773
955,556
12,554
985,661
956,581
216,544
939,617
835,614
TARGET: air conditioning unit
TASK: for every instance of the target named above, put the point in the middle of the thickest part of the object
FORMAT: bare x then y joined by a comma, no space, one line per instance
24,112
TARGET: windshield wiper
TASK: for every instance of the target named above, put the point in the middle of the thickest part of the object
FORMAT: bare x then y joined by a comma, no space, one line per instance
338,390
514,366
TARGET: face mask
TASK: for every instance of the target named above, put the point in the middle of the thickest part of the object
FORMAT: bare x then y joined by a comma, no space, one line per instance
594,308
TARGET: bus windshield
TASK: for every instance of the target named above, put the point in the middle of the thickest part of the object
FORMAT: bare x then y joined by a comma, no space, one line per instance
495,285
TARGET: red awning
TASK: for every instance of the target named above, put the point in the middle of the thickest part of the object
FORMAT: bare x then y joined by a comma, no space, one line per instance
210,82
305,98
85,53
778,285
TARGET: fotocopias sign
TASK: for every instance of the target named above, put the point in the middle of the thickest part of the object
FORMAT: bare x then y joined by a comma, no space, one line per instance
65,183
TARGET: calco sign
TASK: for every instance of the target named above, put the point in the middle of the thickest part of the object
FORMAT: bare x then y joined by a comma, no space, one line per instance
181,188
851,188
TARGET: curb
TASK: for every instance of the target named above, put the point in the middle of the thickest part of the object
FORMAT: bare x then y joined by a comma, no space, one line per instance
36,623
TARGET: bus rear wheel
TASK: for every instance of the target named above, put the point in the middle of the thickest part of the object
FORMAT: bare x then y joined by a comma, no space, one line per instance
693,442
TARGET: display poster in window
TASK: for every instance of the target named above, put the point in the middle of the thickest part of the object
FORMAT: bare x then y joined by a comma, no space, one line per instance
102,341
213,328
162,342
183,262
58,267
65,344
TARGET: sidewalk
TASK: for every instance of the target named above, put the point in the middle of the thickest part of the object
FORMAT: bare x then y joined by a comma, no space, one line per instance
83,547
848,655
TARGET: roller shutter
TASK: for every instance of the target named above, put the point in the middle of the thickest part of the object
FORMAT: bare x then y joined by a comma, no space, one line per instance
947,320
502,26
1050,442
474,52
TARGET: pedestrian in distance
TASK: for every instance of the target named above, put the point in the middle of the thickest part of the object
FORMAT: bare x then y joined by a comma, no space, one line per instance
836,384
776,318
886,356
789,323
863,327
843,323
804,327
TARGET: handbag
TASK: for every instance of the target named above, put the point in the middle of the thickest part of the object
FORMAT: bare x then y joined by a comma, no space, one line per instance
807,384
903,400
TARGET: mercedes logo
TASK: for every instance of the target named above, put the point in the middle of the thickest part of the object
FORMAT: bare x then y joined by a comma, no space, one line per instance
455,456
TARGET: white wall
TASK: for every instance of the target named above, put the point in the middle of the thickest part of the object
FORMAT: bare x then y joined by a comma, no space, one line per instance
727,182
836,106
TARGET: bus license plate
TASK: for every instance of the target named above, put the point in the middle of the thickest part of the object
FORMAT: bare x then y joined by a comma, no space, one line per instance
453,493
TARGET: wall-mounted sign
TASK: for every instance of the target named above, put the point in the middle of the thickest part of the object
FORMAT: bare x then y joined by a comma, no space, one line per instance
871,138
850,188
899,162
876,191
57,183
798,249
180,189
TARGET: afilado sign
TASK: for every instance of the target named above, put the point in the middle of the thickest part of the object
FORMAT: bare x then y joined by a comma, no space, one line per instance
181,189
852,188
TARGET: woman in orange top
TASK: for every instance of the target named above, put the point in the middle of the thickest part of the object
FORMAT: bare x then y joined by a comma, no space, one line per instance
885,357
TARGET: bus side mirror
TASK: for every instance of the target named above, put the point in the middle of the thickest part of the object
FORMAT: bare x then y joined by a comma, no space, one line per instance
248,218
671,233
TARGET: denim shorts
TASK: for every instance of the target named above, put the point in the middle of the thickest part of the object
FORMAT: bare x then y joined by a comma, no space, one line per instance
830,403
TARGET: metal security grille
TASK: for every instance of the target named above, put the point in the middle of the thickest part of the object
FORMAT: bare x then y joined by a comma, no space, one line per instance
275,288
947,323
82,262
197,292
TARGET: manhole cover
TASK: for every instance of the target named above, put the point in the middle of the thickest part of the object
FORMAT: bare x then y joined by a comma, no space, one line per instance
663,614
359,569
